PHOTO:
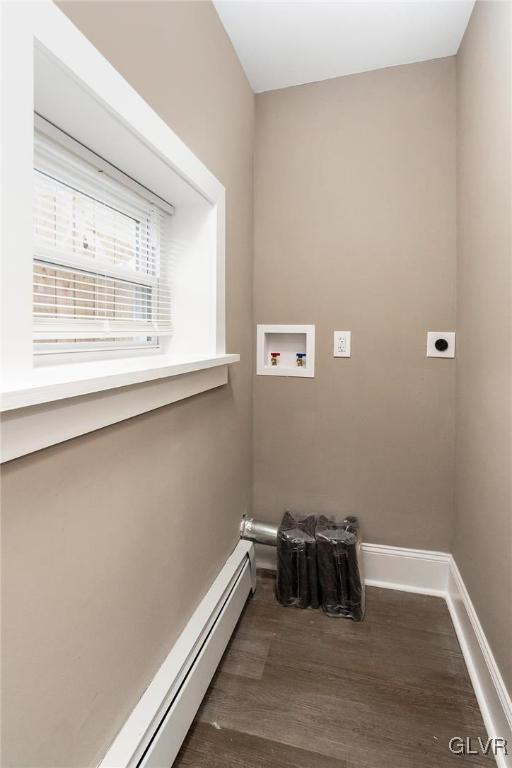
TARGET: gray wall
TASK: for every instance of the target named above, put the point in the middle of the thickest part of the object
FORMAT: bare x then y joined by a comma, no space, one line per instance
482,543
355,230
109,541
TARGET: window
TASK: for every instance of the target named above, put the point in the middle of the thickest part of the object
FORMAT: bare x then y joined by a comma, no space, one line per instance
101,269
98,263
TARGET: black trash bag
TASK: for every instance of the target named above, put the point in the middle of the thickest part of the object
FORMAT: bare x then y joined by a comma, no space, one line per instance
341,583
297,581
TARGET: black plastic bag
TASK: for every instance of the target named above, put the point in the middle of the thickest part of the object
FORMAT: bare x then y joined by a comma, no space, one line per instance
341,583
297,580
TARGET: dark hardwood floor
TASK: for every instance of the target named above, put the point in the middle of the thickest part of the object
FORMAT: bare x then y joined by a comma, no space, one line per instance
297,689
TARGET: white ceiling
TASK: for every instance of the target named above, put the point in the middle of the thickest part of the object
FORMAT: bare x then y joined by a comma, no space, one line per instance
302,41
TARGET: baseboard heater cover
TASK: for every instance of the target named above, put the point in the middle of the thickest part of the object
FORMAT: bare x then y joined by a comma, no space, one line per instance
156,728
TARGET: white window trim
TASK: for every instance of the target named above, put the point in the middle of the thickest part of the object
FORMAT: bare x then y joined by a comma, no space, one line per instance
29,429
94,377
24,386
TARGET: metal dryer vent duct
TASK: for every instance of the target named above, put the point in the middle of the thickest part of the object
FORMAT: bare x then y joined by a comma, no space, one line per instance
261,533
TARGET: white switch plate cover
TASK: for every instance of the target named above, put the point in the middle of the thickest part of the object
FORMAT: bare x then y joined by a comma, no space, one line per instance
341,346
433,336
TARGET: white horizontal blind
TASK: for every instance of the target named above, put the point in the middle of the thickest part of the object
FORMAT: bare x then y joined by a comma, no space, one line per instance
102,271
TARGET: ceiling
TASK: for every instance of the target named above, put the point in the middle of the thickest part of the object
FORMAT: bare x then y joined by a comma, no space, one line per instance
301,41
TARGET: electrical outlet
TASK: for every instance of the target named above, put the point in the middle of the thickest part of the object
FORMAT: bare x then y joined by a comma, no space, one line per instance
441,344
341,343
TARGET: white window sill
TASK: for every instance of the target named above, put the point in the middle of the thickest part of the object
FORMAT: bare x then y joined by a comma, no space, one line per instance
58,382
62,402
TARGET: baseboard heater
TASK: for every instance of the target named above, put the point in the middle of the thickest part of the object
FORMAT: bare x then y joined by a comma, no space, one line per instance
155,730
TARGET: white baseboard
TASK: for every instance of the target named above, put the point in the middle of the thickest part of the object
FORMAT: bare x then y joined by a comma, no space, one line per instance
436,573
490,690
409,570
154,732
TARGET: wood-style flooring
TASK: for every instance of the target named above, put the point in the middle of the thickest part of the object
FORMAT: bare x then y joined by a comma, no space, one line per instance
296,689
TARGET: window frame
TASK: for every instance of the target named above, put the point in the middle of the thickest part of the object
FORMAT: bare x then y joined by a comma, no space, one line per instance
44,406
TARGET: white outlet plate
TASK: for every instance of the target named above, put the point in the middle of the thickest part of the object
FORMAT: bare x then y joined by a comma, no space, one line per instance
433,336
341,344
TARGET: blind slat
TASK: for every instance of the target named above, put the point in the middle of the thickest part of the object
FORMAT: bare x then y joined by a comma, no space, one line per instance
44,289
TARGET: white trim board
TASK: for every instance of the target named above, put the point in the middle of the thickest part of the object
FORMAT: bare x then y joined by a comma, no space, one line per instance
490,690
46,387
30,429
408,570
436,573
153,733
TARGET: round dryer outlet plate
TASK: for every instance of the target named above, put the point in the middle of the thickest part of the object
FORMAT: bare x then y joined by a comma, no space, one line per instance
441,344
